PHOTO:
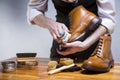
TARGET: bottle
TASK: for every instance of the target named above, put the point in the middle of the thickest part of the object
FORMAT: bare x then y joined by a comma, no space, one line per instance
65,36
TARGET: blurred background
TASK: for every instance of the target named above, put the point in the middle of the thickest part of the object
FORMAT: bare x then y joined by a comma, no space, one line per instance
17,36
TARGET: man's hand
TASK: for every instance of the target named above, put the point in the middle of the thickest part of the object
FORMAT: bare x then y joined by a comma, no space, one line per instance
73,47
55,28
78,46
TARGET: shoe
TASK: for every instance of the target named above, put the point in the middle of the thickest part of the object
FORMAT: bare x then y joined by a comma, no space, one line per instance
101,60
81,20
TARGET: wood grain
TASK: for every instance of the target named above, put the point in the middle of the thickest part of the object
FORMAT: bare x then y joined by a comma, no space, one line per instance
40,73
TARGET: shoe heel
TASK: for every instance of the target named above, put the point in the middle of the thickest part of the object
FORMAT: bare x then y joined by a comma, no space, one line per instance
112,64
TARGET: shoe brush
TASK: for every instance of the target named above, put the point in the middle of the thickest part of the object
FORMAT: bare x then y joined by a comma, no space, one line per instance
66,62
52,65
26,59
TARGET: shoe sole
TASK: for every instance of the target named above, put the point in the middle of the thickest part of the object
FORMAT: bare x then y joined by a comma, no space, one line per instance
96,69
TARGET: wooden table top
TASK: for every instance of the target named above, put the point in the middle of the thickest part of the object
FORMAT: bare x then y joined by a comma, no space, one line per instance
40,73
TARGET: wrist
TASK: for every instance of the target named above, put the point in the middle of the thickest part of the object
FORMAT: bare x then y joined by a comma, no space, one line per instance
87,44
42,21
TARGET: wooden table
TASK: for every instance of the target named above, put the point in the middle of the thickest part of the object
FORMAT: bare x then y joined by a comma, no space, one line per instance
40,73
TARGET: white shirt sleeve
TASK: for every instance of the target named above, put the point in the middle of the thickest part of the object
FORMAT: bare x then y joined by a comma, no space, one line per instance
106,11
35,7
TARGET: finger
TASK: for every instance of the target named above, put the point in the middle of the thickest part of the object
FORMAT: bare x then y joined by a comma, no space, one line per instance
61,33
65,28
57,33
54,36
68,44
64,53
72,44
60,30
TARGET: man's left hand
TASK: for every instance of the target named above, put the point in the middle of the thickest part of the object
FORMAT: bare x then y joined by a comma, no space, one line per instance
73,47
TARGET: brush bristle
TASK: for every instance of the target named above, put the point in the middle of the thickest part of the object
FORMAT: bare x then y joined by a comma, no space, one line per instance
52,65
66,61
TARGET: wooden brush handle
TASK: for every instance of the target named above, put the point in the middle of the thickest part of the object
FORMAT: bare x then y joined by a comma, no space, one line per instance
60,69
26,59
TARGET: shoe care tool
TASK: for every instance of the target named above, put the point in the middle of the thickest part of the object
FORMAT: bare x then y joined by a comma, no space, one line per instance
9,66
64,36
26,60
52,65
67,63
71,69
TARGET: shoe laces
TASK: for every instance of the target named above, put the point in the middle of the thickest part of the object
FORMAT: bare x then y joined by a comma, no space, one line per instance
100,47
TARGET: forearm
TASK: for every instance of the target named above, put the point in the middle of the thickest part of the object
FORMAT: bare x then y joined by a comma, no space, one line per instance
36,8
55,28
42,21
95,36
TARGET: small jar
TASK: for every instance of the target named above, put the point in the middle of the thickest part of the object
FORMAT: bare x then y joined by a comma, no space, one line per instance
8,66
65,36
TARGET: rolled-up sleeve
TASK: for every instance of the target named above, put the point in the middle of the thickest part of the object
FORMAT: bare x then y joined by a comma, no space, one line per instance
35,7
106,11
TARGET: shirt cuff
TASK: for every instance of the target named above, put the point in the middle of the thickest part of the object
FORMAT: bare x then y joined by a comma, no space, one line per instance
108,24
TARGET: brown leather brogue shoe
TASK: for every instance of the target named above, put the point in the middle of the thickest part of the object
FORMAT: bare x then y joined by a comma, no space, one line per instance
80,20
101,60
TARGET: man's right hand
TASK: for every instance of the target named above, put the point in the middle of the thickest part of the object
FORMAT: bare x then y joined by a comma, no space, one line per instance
55,28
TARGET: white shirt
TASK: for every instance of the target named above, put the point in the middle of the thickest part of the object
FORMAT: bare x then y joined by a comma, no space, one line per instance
106,11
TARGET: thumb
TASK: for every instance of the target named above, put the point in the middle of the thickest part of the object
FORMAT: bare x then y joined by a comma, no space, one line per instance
68,44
